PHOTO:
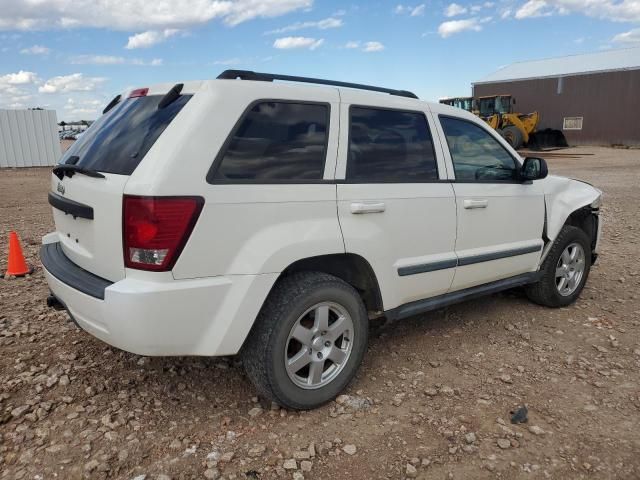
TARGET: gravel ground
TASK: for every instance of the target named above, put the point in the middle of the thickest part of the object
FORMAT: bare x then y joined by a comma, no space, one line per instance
432,399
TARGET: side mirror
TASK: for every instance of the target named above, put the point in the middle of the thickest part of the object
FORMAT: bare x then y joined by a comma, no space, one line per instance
534,168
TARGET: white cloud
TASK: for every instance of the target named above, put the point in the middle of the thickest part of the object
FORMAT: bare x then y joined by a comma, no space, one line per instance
12,88
373,47
619,11
297,42
418,11
324,24
15,100
150,38
413,11
35,50
533,8
113,60
22,97
454,10
614,10
83,106
97,60
452,27
137,14
76,82
365,46
630,37
20,78
476,8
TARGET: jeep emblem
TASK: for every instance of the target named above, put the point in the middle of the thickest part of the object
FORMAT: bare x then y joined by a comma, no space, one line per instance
60,188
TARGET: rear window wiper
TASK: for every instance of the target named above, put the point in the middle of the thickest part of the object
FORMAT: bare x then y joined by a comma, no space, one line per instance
69,170
111,104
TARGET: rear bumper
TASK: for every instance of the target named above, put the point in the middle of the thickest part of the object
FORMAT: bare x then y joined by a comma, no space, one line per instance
58,264
206,316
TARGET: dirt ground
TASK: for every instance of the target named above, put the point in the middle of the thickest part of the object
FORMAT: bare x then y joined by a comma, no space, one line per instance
432,399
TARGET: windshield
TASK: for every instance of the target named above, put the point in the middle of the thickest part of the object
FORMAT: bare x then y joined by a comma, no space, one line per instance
487,106
118,141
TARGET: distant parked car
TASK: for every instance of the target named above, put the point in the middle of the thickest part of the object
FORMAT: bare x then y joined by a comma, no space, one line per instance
69,134
274,220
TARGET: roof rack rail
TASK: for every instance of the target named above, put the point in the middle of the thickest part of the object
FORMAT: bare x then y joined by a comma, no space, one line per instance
270,77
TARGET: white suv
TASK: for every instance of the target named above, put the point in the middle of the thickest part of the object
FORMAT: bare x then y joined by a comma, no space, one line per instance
241,215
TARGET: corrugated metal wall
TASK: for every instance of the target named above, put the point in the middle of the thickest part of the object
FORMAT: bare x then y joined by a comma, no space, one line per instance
608,103
29,138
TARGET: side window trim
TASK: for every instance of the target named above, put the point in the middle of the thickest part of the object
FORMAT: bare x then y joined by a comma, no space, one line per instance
445,165
223,149
489,132
345,172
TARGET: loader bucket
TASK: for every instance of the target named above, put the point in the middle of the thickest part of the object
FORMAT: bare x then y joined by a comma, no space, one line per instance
547,138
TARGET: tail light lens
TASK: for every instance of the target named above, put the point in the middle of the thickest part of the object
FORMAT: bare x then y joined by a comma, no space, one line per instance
155,230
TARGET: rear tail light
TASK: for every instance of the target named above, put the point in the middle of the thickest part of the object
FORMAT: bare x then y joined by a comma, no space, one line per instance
155,230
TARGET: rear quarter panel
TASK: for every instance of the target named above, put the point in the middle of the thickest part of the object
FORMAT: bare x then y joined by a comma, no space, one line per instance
243,228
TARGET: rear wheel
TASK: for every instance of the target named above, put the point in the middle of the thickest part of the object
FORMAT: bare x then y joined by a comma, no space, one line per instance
564,270
308,340
513,136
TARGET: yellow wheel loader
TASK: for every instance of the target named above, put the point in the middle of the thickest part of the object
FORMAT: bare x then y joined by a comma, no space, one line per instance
517,128
465,103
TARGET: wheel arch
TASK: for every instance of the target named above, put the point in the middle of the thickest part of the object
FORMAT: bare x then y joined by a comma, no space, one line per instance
586,218
567,202
349,267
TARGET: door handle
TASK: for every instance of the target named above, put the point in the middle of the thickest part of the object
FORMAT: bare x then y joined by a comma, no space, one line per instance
365,207
475,203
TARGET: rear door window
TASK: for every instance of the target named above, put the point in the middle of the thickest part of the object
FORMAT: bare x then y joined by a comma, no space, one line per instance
276,141
390,146
119,140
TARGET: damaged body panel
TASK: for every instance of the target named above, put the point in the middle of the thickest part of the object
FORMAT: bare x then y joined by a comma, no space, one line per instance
574,202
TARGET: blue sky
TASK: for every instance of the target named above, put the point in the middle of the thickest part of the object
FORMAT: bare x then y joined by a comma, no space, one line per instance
75,55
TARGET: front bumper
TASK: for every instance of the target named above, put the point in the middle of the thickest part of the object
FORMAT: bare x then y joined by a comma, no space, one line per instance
157,315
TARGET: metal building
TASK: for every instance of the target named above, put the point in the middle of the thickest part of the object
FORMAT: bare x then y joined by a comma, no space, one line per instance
28,138
593,98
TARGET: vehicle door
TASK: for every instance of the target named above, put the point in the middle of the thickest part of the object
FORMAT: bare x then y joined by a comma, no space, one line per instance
500,217
395,207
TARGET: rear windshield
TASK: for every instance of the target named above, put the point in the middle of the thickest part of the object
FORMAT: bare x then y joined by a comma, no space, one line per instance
118,141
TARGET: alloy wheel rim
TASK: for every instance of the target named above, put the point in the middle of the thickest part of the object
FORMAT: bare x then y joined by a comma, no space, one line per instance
319,345
570,269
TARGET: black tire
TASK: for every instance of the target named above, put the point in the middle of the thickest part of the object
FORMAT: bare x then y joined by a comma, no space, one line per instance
545,291
264,352
513,136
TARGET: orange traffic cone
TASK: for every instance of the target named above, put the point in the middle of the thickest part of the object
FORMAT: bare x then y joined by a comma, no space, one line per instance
17,265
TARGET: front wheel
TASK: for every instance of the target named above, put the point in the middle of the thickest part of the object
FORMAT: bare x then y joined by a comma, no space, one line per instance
564,270
308,340
513,136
